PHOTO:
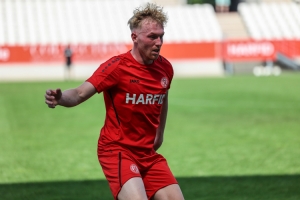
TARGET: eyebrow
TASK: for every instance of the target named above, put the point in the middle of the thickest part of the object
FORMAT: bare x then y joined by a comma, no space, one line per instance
151,33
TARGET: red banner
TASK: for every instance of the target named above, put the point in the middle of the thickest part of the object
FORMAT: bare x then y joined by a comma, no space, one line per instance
237,50
55,53
253,50
248,50
14,54
204,50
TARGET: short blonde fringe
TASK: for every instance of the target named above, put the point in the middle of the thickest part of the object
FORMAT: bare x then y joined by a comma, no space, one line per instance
150,11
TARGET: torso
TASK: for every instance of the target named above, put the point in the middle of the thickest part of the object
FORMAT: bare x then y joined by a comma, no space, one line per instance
134,95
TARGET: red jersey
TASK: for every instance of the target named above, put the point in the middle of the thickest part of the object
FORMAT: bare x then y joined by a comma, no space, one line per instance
133,95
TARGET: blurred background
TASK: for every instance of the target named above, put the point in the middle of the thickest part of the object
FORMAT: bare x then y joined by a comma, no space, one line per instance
203,37
233,123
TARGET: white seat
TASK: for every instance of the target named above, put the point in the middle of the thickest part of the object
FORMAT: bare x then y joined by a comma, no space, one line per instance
93,21
271,20
2,25
192,23
10,23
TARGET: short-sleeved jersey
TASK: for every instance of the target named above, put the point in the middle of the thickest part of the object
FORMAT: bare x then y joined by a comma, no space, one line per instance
133,95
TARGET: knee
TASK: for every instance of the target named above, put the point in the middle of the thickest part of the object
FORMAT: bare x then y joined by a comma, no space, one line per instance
136,196
171,192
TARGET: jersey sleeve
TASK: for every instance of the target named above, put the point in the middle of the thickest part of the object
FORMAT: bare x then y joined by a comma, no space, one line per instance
171,74
169,70
106,75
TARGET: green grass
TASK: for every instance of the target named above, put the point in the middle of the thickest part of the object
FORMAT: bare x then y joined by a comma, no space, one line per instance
233,138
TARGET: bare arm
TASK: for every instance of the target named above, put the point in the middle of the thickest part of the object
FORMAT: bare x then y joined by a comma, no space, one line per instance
71,97
160,130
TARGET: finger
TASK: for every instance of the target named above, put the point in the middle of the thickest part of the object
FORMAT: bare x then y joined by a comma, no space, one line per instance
58,94
47,97
51,106
49,102
53,92
49,92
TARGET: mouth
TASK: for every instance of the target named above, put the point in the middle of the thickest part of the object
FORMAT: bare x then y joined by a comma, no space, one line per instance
156,51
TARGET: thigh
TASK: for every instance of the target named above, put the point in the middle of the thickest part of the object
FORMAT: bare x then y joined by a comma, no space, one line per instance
170,192
133,189
118,167
158,176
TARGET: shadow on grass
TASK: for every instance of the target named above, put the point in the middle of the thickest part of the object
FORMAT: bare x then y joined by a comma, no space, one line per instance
281,187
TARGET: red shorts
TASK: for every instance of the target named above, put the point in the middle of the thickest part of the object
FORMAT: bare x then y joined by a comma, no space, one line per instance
121,165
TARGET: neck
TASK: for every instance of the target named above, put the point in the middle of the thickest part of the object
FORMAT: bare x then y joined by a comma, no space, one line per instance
139,58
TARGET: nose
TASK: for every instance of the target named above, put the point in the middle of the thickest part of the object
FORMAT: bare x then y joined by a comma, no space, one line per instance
159,41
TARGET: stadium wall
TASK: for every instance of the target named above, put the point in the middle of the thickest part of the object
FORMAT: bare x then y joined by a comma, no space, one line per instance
46,62
82,70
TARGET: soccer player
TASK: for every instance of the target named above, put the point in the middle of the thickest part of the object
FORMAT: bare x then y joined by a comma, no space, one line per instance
135,87
68,56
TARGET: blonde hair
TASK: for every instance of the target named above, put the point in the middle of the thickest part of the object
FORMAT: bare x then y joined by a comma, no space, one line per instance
150,11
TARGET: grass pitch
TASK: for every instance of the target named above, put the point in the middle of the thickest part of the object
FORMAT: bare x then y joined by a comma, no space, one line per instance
234,138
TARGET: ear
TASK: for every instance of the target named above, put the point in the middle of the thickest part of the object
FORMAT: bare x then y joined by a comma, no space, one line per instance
133,36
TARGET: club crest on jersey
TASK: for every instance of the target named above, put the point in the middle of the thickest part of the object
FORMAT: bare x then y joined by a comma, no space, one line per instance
134,168
164,82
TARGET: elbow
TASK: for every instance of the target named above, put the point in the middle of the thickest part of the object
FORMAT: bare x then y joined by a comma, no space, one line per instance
157,144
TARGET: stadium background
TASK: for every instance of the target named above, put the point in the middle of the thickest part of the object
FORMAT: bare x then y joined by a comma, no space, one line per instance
229,136
198,40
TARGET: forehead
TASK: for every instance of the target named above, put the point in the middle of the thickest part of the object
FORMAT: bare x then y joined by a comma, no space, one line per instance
151,26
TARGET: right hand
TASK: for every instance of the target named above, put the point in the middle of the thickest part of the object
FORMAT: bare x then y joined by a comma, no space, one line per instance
52,97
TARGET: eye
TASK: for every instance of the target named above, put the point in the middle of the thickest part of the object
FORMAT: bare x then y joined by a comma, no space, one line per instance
153,37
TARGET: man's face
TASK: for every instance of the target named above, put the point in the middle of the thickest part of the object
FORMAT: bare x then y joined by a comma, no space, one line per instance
148,39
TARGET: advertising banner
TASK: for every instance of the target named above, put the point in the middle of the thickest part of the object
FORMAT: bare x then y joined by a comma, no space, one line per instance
228,50
259,50
55,53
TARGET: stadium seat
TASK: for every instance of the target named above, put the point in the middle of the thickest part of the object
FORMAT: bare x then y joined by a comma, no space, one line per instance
2,26
197,23
274,20
212,23
10,24
93,21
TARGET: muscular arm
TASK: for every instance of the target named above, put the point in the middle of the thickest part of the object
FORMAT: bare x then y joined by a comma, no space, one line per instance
71,97
160,130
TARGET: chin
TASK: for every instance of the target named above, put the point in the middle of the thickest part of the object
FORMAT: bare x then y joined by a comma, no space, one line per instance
154,57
